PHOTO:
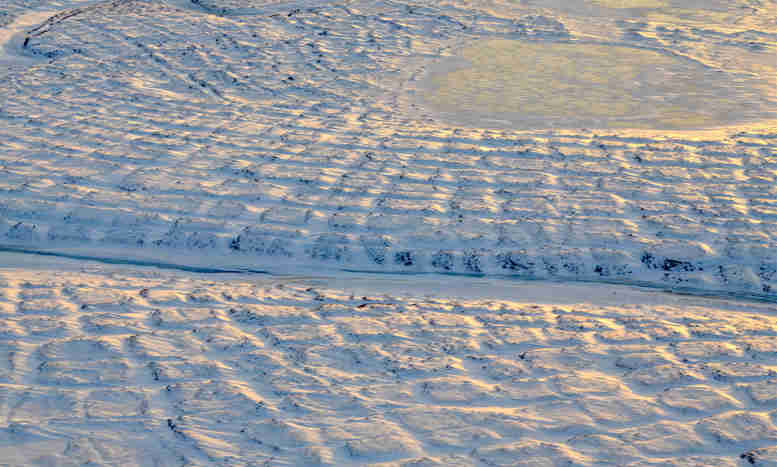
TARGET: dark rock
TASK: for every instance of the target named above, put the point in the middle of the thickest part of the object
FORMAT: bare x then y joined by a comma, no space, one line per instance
404,258
443,260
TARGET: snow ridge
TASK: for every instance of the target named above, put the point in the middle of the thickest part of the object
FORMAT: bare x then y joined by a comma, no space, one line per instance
130,366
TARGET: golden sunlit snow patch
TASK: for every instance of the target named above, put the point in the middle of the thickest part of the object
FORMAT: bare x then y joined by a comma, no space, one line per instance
539,85
632,3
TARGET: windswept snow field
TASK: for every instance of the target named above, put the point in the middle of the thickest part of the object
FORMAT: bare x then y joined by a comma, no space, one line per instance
279,137
110,365
353,232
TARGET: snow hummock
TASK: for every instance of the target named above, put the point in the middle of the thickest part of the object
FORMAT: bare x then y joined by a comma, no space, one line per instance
122,365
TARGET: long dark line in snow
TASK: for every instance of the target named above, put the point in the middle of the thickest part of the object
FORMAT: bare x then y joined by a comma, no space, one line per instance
131,262
648,286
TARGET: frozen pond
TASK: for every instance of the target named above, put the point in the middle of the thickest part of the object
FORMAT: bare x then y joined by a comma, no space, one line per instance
621,64
541,84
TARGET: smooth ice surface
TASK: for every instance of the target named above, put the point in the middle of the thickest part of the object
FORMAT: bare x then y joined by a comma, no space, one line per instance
537,84
634,8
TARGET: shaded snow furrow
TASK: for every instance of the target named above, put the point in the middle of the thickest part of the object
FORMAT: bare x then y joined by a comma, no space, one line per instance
294,138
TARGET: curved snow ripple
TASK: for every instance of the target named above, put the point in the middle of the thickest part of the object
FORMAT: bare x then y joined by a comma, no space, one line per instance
125,366
288,141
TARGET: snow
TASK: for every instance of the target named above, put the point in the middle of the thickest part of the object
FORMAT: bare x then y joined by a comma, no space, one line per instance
115,364
379,232
292,140
12,36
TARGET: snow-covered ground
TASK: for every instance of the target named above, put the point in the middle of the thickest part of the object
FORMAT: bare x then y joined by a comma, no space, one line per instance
281,137
114,365
238,232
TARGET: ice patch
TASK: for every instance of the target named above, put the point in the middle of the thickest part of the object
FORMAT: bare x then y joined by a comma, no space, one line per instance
589,85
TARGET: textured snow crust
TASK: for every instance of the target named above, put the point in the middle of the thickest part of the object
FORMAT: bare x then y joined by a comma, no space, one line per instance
302,136
108,365
290,136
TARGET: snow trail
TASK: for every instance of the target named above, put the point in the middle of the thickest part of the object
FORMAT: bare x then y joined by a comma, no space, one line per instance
13,35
